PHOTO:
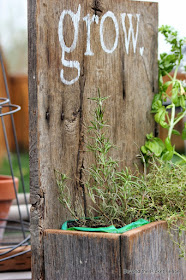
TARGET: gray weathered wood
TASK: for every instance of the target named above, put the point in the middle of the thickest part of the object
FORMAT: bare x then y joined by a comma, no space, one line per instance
148,253
36,193
75,256
145,253
59,112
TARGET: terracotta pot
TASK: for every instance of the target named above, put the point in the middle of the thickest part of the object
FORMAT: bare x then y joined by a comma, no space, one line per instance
19,96
7,194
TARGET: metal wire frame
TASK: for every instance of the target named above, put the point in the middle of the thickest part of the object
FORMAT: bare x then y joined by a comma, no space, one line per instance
17,108
9,156
14,133
11,248
5,102
15,228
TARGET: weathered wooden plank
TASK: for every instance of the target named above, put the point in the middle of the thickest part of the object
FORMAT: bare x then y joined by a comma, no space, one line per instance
145,253
19,263
127,72
36,194
81,256
148,253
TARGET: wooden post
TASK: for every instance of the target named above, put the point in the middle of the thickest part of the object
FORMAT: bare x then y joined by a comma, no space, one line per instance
76,47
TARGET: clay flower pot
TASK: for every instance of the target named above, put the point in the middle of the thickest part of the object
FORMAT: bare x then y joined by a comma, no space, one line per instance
7,194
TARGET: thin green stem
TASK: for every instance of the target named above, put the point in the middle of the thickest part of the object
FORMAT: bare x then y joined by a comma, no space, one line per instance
170,77
180,117
176,71
172,120
168,119
177,154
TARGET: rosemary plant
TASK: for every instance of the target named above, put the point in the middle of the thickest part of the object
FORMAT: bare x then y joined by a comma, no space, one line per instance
119,197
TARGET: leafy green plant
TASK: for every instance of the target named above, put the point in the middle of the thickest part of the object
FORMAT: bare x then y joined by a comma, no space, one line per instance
121,197
176,98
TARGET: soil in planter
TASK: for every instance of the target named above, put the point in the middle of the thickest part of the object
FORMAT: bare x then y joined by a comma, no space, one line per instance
86,223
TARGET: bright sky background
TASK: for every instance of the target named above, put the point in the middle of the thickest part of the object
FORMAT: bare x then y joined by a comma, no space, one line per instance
13,15
13,18
173,13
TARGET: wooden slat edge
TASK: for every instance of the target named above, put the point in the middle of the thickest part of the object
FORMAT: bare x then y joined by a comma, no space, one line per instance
82,233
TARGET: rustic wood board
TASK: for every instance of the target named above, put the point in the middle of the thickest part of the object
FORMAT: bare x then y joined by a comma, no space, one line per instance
22,262
145,253
73,256
148,253
59,112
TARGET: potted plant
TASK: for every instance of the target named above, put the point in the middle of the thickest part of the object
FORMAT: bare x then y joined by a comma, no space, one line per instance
119,197
7,194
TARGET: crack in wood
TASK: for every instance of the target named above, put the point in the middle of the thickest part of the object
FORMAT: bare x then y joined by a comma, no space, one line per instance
123,77
47,115
96,6
80,159
62,116
123,90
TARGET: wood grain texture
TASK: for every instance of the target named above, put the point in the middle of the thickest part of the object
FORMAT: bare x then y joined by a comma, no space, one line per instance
148,253
19,263
36,194
75,256
59,112
145,253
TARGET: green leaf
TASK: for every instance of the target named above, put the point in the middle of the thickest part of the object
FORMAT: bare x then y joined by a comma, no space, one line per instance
160,143
143,150
160,115
163,124
155,145
157,102
169,106
168,155
182,102
174,97
149,136
176,132
183,136
168,144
